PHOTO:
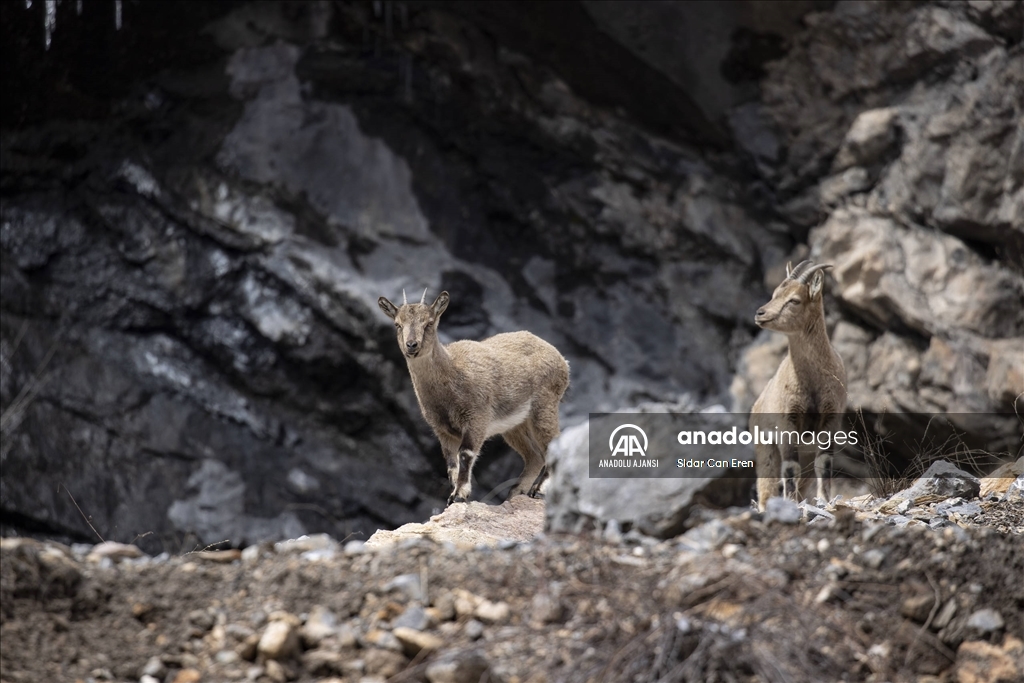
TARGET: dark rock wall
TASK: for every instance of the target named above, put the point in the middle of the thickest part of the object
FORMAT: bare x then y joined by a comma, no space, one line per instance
201,208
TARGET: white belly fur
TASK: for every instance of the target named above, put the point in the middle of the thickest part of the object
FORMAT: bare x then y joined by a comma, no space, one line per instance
509,421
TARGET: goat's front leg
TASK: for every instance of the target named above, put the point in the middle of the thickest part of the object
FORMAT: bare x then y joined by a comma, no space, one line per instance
824,463
450,448
461,474
790,471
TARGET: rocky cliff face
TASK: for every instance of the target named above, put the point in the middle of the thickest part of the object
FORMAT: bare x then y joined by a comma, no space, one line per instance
199,211
908,172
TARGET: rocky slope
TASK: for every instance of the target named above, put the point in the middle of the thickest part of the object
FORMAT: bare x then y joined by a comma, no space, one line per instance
878,591
200,208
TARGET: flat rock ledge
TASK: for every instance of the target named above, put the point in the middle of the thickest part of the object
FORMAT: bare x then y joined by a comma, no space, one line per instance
517,520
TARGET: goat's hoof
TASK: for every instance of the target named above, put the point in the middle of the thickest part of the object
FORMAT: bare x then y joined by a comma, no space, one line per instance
456,499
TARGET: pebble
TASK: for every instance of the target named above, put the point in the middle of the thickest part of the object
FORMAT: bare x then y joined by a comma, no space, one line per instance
413,641
355,547
188,676
706,537
384,663
409,584
275,671
320,624
384,640
252,553
874,558
323,662
985,621
782,510
473,629
304,544
493,612
815,512
154,668
463,667
917,607
414,617
113,551
279,641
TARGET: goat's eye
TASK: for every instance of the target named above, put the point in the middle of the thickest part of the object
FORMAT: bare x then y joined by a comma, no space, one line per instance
398,326
794,301
428,326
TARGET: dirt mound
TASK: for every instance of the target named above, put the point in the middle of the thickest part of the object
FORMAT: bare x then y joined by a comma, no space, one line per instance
734,598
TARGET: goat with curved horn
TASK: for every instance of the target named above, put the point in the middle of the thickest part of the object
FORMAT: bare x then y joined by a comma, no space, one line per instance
510,384
807,392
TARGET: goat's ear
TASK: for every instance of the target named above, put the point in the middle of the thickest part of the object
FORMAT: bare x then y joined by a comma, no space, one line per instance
388,307
440,303
789,269
816,283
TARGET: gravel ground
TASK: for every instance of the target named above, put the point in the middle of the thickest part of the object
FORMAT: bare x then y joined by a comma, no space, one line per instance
734,599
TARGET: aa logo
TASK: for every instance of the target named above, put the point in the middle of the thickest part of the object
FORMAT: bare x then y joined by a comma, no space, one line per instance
628,443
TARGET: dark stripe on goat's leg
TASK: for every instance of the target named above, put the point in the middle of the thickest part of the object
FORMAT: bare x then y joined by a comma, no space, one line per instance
462,487
538,482
790,471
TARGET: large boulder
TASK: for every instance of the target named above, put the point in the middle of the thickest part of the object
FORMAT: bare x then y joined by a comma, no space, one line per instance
657,502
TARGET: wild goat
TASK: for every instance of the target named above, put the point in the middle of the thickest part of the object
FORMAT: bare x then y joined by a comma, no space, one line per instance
510,384
807,392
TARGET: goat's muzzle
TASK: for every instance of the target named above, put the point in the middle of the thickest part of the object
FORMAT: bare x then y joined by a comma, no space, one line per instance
412,349
761,317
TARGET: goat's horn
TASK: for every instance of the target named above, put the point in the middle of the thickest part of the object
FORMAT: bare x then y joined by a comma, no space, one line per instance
404,301
423,299
805,276
796,273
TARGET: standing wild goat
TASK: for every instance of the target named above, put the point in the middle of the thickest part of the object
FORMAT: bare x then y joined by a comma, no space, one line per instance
510,384
807,392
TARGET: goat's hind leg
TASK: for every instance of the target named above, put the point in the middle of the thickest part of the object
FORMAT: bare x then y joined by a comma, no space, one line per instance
534,491
767,473
534,470
824,464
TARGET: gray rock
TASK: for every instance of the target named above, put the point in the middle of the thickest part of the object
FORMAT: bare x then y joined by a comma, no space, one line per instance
154,667
898,521
874,557
321,624
473,629
985,621
782,510
942,479
458,667
414,617
816,513
408,584
1016,491
873,132
706,537
657,507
